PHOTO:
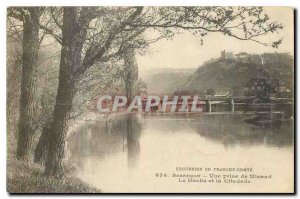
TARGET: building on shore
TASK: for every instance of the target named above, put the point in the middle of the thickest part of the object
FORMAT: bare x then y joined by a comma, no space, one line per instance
226,55
264,86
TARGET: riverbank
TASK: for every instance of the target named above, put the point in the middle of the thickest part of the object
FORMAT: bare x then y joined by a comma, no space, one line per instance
24,177
28,178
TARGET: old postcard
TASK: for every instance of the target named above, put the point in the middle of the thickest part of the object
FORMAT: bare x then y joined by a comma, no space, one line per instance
150,99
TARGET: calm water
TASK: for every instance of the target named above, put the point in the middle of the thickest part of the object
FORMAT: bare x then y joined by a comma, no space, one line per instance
124,153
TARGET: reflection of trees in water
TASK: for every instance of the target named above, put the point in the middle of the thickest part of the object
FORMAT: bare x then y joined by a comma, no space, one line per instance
133,134
122,133
231,130
116,135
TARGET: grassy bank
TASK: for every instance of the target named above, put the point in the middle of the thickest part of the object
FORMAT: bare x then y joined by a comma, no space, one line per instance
28,178
23,177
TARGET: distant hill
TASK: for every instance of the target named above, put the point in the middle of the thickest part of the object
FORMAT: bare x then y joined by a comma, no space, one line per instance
166,80
222,75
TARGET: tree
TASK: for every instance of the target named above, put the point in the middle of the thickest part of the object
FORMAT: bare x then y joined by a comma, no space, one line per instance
30,43
92,35
70,60
74,32
130,73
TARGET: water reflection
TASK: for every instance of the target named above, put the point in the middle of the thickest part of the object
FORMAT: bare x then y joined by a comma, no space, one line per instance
122,133
102,139
122,148
231,130
133,129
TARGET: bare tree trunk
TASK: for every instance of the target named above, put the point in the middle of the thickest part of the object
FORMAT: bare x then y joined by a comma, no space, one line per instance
41,149
131,73
72,43
28,81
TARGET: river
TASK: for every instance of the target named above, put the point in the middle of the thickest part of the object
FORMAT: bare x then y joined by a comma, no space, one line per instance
127,152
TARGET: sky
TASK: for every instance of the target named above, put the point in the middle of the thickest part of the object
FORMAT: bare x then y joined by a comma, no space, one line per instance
186,51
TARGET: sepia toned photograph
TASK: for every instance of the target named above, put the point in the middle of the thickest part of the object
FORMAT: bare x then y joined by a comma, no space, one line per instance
169,99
